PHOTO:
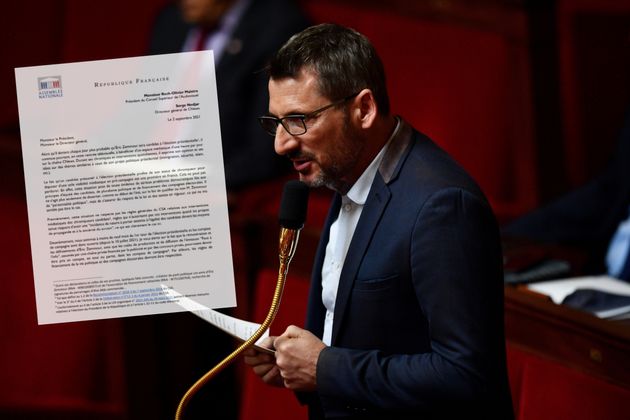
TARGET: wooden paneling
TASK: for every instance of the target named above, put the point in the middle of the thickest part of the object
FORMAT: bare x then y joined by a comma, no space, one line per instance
569,337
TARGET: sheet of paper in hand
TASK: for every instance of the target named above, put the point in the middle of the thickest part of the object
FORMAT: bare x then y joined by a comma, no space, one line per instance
237,328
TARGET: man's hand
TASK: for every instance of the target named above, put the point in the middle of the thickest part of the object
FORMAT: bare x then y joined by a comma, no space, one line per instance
264,364
297,351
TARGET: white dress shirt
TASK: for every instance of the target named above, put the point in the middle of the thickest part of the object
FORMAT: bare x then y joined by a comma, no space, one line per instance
341,232
618,249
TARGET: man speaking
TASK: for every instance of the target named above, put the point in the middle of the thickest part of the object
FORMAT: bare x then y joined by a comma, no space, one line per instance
405,311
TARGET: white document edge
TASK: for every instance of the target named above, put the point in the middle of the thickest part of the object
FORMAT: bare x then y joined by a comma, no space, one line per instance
557,290
237,328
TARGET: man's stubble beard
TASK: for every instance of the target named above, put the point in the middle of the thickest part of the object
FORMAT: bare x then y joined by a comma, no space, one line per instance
332,177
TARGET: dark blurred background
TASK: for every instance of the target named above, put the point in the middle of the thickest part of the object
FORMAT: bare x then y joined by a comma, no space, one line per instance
528,95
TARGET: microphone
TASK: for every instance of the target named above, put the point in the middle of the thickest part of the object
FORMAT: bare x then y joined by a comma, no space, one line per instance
293,207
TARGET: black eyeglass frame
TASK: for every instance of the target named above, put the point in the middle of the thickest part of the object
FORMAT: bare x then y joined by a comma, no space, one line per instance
265,119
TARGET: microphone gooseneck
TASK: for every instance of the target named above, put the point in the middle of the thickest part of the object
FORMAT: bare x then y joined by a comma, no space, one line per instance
292,215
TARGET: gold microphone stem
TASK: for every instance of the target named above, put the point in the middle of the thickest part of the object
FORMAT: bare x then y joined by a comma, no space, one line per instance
288,245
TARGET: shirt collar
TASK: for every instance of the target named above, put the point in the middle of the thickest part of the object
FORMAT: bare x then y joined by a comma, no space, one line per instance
359,191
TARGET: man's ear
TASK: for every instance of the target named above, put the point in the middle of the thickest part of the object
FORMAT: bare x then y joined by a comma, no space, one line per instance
367,109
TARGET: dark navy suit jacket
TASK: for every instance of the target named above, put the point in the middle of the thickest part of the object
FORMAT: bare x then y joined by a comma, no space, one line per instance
242,83
418,325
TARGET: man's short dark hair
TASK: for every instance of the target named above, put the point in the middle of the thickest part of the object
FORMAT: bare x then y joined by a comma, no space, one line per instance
343,59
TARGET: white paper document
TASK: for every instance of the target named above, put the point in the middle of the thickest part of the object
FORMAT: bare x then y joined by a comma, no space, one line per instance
125,186
557,290
237,328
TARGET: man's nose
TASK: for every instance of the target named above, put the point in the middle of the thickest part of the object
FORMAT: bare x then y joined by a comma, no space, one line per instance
284,142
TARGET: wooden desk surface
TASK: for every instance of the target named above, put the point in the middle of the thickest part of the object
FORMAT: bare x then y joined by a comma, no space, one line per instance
574,338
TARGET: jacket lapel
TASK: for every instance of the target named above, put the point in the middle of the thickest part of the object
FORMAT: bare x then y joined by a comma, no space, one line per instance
370,216
375,205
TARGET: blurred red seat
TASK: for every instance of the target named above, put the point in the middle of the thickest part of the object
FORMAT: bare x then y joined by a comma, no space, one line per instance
260,401
465,85
543,389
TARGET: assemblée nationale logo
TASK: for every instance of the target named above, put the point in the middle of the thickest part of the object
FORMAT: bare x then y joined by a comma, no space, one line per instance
49,87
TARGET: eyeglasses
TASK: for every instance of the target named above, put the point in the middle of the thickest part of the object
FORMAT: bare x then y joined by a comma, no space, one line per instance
295,124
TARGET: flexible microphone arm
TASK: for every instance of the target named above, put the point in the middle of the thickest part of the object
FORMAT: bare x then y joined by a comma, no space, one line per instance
292,215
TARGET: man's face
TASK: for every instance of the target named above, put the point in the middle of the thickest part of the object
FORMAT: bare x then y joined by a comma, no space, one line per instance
327,154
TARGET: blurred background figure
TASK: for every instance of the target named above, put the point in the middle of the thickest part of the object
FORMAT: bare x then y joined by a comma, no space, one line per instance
592,218
242,35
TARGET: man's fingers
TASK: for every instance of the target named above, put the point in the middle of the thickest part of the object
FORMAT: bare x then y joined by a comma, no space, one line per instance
263,369
267,342
272,377
291,332
253,356
250,352
258,358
